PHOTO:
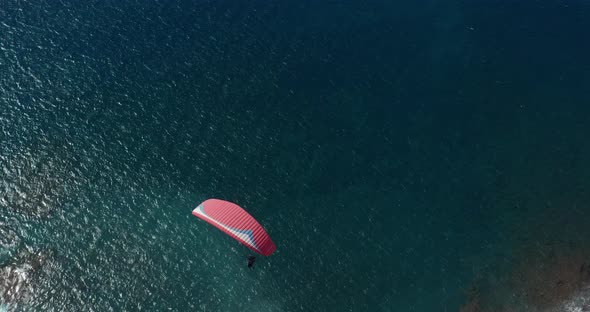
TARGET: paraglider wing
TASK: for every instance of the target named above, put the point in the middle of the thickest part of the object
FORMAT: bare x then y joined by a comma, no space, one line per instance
237,223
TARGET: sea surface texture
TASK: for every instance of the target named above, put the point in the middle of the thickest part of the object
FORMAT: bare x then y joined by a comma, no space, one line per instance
403,155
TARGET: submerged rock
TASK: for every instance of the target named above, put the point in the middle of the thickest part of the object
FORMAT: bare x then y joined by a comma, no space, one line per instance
19,277
558,280
555,279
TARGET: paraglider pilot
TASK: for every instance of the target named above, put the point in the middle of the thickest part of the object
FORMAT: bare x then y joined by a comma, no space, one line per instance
251,260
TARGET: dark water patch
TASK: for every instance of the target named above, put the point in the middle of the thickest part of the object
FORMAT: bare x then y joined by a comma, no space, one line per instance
9,243
36,183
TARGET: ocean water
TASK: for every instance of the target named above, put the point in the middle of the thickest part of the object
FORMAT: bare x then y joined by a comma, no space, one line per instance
404,156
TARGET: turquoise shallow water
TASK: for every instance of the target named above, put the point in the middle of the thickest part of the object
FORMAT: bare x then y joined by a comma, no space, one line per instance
398,154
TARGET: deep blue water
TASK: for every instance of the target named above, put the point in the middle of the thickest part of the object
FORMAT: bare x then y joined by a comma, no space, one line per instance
397,152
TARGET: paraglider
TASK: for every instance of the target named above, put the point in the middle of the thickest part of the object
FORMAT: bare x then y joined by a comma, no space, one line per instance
238,224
